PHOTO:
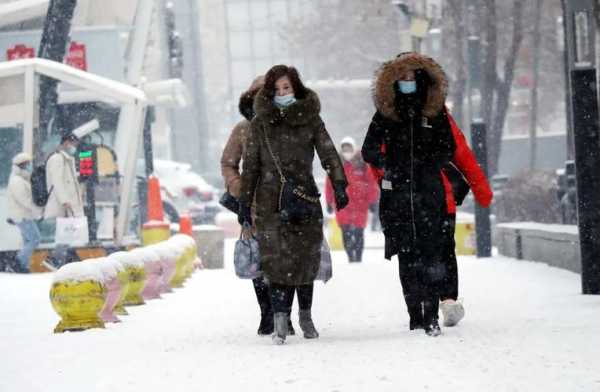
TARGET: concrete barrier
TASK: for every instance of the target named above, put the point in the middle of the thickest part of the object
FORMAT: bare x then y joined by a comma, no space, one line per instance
78,295
89,293
211,246
555,245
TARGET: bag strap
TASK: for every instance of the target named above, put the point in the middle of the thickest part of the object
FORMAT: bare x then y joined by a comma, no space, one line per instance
275,159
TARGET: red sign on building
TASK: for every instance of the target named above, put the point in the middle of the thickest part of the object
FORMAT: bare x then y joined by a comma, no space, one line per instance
20,51
77,57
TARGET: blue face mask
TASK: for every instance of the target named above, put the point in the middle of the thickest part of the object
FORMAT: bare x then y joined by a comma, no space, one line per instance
71,150
407,86
284,100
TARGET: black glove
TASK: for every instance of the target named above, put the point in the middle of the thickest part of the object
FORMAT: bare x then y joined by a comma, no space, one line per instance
329,209
341,197
245,215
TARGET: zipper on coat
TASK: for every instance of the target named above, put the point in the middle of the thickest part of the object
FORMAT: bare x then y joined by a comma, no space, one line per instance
412,175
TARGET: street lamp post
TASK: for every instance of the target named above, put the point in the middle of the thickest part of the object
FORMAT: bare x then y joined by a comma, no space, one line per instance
585,122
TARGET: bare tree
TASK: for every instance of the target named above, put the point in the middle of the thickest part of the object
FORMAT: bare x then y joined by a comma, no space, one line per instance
457,37
496,88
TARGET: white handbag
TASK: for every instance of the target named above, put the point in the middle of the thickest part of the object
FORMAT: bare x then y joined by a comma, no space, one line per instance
72,231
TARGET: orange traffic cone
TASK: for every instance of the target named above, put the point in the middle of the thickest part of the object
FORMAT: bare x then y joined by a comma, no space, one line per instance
156,229
155,207
185,225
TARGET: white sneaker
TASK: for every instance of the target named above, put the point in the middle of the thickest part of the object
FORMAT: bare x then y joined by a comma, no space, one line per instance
453,311
51,267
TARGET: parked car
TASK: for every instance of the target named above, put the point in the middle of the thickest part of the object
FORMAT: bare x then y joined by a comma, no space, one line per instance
188,191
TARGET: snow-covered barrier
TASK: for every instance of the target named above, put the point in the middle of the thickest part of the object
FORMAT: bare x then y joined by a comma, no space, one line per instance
555,245
116,283
78,294
87,294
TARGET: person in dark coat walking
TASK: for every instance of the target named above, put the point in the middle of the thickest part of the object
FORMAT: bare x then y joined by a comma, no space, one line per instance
462,175
363,192
410,140
283,138
230,170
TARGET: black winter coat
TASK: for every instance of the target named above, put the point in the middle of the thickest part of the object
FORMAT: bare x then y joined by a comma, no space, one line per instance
413,207
413,197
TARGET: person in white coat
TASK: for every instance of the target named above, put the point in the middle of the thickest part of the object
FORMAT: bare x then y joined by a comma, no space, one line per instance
22,211
65,193
65,198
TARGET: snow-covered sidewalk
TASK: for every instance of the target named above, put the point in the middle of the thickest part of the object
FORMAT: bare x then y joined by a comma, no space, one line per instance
527,329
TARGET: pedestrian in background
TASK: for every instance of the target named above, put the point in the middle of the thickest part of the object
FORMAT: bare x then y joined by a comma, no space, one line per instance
22,211
65,193
410,141
278,177
363,193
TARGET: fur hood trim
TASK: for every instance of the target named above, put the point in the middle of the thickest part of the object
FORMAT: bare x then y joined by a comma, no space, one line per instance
383,88
247,98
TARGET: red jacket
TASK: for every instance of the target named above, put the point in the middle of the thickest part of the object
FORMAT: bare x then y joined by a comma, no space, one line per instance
362,192
465,162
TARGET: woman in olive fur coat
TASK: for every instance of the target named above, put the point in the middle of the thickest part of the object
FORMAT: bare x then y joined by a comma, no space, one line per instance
287,119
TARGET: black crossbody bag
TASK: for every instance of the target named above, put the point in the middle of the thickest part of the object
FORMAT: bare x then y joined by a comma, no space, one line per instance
297,203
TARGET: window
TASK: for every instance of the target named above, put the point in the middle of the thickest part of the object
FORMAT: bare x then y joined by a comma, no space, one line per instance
240,45
237,15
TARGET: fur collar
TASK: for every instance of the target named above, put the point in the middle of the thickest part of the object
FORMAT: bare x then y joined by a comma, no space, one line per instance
299,113
247,98
383,88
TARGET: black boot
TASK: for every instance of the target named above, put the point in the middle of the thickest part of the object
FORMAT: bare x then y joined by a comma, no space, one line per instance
416,317
291,330
266,326
414,305
263,296
430,317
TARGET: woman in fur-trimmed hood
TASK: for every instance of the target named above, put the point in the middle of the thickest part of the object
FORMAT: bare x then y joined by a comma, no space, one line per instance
284,136
410,141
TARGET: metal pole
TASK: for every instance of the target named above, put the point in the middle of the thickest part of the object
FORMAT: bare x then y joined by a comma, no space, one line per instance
90,194
580,38
478,129
53,45
482,215
148,150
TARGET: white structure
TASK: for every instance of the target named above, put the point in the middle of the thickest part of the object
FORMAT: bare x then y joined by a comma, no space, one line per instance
131,100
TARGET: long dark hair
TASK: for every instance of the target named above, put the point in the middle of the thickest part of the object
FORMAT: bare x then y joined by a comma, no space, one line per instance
279,71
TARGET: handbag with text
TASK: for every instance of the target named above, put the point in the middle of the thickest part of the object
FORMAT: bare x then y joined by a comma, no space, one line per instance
72,231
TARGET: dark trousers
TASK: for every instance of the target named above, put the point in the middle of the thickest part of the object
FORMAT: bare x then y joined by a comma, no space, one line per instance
354,242
282,297
422,281
263,296
449,287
